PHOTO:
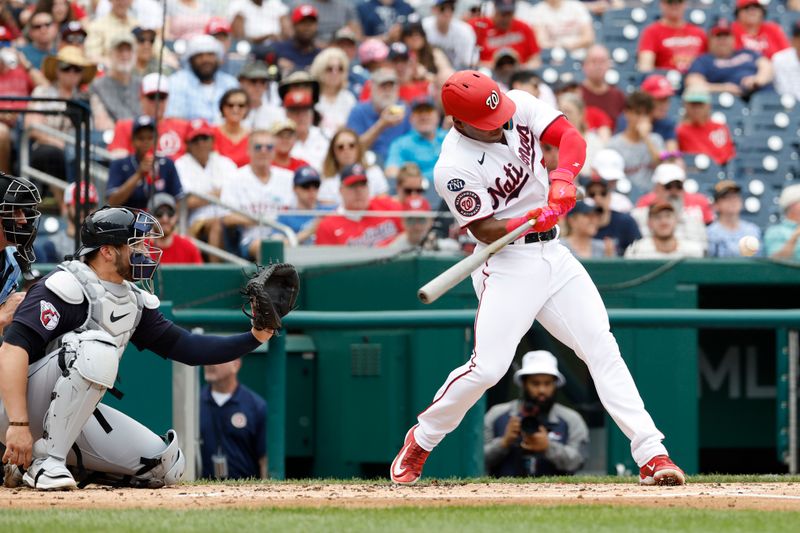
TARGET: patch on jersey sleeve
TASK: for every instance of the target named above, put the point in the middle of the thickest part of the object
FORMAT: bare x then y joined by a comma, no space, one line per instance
455,185
48,315
468,203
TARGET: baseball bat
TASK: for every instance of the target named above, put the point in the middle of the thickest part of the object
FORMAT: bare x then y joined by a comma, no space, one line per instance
431,291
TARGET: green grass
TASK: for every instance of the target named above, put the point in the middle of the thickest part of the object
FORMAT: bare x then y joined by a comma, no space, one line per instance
705,478
507,519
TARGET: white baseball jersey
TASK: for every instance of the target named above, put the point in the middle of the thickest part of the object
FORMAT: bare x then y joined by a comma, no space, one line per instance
479,180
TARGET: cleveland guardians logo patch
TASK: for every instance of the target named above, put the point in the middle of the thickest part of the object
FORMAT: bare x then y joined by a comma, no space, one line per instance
468,203
455,185
48,315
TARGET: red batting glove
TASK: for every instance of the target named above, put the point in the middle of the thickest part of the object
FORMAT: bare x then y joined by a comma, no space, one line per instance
562,190
546,217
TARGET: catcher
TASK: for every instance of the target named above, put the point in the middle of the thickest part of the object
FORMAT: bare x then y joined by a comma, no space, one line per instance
62,351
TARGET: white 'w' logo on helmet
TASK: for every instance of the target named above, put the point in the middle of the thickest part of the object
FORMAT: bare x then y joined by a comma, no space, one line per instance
493,100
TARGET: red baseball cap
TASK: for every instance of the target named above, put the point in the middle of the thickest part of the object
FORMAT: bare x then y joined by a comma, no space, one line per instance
198,127
658,86
476,99
304,11
217,25
352,174
741,4
721,27
298,98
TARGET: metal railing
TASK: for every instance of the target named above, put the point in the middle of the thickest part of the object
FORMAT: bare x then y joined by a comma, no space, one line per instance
785,322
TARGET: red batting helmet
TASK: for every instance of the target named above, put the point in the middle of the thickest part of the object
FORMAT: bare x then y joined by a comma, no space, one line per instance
476,99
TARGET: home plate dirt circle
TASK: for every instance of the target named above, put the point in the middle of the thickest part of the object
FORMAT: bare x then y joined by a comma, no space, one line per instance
763,496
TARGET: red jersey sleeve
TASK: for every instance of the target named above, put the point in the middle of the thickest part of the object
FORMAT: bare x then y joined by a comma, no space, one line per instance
649,39
122,136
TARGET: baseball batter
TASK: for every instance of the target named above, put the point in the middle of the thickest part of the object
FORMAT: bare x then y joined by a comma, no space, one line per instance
491,176
61,355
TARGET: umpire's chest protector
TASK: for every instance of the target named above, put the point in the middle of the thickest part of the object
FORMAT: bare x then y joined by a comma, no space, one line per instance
113,308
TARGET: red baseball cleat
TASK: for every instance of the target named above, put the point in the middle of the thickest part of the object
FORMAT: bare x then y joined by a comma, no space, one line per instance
660,470
407,466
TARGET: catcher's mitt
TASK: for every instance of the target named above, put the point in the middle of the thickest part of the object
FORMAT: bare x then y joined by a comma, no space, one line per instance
272,292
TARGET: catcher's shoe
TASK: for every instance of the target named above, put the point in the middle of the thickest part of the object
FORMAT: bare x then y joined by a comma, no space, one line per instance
407,466
660,470
49,473
12,476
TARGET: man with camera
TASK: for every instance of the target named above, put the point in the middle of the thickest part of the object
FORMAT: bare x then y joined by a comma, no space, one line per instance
533,435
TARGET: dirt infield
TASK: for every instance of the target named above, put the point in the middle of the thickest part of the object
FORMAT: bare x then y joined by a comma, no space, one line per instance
762,496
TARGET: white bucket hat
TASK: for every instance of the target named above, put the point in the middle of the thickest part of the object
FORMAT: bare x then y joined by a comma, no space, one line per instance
539,362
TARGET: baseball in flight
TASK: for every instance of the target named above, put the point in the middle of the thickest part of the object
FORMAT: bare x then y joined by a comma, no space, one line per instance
748,245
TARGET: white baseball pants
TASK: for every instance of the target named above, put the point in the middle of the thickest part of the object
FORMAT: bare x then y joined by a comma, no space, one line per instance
544,282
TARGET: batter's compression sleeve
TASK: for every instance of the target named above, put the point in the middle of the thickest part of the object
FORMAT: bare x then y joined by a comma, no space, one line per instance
570,143
195,349
570,456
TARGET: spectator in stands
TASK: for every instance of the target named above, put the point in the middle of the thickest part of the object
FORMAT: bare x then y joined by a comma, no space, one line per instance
372,55
345,150
17,77
410,182
260,190
204,171
333,16
351,230
233,422
115,96
306,194
581,238
752,32
595,118
782,240
230,137
43,35
63,11
614,228
504,64
176,249
426,61
103,28
670,42
345,40
67,72
595,90
330,68
454,37
559,23
72,33
692,210
254,79
153,99
299,51
786,64
724,69
63,242
197,88
661,90
534,435
698,134
311,144
638,145
412,84
503,30
134,179
662,242
417,228
186,18
146,55
9,27
285,134
724,234
575,110
259,20
383,18
530,82
608,167
381,120
421,145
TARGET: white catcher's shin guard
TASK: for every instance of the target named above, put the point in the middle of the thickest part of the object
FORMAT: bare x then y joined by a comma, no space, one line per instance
91,367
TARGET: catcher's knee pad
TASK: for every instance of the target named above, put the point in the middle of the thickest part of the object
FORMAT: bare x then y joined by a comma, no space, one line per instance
165,469
97,357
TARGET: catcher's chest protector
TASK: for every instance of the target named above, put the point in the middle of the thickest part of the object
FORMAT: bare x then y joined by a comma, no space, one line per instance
113,308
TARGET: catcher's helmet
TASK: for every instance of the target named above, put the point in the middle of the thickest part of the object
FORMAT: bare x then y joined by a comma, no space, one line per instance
18,214
117,226
476,99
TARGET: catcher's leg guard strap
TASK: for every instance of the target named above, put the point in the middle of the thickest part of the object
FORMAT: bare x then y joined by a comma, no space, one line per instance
164,469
